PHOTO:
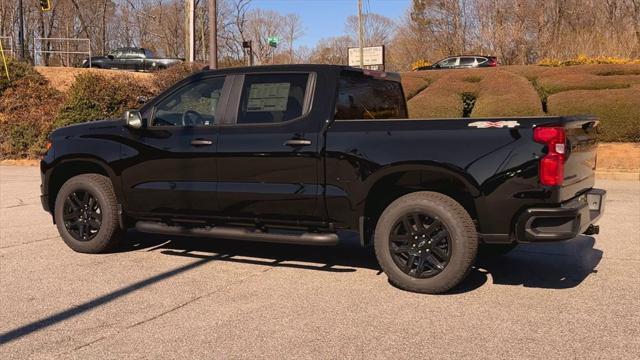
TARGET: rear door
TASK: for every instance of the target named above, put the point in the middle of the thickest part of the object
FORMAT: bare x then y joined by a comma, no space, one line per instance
269,152
172,164
467,62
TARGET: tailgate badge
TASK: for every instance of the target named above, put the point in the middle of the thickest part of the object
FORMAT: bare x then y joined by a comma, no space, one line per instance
494,124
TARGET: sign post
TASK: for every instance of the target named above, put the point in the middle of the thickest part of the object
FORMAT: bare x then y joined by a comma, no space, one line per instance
248,45
372,57
273,42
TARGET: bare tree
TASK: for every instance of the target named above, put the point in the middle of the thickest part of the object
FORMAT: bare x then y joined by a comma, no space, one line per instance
378,29
293,31
334,50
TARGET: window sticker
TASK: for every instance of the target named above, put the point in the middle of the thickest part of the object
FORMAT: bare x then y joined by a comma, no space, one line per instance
268,97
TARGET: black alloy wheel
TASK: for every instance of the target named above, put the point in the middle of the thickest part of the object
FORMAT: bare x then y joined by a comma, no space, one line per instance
420,245
82,215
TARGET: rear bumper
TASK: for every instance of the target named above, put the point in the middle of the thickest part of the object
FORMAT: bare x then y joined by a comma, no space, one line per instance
564,222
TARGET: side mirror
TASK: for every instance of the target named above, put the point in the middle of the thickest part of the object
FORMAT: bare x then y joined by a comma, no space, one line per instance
110,57
133,119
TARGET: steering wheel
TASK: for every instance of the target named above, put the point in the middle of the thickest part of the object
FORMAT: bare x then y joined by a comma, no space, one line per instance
187,121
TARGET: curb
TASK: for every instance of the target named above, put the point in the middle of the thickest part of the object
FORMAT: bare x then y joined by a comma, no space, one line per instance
618,175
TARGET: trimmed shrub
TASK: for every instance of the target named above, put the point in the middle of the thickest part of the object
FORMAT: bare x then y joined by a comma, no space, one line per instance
94,97
163,79
617,109
482,92
413,85
27,110
443,98
505,94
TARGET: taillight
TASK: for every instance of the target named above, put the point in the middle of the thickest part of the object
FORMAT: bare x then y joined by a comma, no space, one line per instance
552,164
493,62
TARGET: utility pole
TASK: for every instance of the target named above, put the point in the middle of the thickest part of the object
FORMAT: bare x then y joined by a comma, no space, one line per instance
361,33
213,35
192,30
20,30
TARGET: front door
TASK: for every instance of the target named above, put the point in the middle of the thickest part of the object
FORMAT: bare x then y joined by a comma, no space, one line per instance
269,153
175,169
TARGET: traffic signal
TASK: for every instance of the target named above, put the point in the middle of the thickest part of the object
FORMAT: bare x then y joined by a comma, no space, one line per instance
45,5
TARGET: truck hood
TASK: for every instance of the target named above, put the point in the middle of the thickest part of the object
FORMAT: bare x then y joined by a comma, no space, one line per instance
88,128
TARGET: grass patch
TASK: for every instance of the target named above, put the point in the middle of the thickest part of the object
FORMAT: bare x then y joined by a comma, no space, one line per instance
472,79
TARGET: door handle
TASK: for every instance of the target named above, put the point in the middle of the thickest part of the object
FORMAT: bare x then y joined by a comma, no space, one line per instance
201,142
297,142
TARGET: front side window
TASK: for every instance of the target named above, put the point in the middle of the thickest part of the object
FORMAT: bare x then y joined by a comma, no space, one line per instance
272,98
194,104
366,97
450,62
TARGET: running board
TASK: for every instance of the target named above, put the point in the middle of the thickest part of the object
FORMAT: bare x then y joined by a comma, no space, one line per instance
237,233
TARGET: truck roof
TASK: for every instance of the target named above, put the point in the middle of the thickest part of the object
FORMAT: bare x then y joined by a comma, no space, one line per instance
302,67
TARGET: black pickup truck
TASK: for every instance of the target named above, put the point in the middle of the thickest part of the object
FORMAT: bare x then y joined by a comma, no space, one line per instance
137,59
295,154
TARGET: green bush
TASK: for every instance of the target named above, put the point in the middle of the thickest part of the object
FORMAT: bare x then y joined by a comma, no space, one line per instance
18,71
27,110
95,97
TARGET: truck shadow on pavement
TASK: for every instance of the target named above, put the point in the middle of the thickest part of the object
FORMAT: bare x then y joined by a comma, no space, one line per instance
554,266
558,265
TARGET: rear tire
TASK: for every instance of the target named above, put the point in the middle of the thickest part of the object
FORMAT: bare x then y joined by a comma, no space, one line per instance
86,214
436,252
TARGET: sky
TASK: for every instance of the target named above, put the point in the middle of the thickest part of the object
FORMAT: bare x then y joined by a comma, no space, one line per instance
326,18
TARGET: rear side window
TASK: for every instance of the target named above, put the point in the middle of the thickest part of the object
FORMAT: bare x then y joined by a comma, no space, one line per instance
272,98
365,97
481,60
467,61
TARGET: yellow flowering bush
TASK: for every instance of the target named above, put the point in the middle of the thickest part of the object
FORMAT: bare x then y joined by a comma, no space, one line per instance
420,63
584,60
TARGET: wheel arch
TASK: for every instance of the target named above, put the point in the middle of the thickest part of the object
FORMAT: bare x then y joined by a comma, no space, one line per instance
396,181
65,169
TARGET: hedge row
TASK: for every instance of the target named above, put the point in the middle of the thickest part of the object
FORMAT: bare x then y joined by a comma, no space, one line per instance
30,108
612,92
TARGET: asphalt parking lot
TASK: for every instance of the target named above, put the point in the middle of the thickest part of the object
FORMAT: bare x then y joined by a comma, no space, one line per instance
161,297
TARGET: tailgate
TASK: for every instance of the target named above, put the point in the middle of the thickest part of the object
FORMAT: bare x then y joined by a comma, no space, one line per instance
580,164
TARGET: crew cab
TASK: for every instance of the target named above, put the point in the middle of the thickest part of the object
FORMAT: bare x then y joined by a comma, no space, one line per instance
297,153
137,59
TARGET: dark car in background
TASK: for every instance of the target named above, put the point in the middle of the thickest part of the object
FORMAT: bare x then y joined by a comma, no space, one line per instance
462,62
128,58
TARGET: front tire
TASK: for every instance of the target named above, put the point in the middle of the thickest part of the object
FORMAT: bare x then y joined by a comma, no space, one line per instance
425,242
86,214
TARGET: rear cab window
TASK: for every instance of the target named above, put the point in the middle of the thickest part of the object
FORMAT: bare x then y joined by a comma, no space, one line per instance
363,97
